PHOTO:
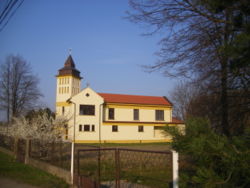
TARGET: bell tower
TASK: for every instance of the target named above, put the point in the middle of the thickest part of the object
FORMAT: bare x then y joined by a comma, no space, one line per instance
67,85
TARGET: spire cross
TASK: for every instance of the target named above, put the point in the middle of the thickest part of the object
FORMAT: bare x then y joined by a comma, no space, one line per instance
70,51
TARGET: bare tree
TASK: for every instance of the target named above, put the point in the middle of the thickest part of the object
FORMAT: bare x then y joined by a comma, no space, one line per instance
195,101
181,96
18,87
197,37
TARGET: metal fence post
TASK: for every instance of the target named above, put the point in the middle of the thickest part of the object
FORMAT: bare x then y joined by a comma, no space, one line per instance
99,167
175,168
117,168
79,183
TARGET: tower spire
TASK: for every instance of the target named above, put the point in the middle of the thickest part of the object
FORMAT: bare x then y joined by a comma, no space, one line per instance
69,68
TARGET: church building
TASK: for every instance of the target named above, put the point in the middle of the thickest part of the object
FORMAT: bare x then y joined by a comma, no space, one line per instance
110,118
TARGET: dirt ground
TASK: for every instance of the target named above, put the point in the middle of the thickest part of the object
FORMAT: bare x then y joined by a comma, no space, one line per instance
9,183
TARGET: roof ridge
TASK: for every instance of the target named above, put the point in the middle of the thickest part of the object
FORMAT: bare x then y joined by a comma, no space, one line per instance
129,94
135,99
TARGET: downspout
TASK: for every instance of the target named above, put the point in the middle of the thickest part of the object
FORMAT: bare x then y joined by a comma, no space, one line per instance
100,122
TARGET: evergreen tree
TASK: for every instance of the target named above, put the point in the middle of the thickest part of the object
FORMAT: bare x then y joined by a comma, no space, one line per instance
209,159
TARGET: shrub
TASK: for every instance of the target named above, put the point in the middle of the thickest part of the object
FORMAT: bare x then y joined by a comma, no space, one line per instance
211,159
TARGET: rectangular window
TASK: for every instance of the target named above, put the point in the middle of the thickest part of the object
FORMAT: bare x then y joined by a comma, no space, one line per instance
140,128
86,128
66,132
114,128
63,110
111,113
136,114
159,115
87,110
80,128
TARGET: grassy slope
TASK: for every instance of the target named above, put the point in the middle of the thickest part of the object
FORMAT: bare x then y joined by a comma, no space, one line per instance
27,174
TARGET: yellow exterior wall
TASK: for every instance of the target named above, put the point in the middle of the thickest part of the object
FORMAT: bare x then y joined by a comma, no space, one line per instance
82,99
134,123
66,87
128,127
127,131
130,133
146,112
124,141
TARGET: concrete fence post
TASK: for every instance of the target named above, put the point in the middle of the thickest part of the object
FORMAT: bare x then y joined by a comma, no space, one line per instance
175,165
27,150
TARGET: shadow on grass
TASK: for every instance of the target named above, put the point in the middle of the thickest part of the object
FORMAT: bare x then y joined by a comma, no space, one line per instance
28,174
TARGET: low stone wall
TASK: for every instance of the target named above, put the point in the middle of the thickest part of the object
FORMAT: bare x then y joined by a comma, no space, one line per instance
59,172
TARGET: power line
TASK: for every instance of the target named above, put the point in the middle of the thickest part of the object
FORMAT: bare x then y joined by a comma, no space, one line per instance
5,10
8,12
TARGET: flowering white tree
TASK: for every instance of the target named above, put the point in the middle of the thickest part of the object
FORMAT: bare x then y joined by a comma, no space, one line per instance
41,127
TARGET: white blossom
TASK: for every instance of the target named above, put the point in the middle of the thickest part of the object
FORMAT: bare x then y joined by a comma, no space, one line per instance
41,127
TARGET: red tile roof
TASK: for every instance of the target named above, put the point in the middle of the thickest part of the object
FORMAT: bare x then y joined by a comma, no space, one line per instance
175,120
135,99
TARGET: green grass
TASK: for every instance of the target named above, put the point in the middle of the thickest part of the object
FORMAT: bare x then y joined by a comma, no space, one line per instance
158,146
129,144
157,176
140,168
27,174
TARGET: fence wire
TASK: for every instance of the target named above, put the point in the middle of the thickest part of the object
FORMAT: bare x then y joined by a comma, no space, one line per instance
111,167
55,153
101,167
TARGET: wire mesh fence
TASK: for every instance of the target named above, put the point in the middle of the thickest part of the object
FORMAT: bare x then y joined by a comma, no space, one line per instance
55,153
113,167
100,167
7,142
150,168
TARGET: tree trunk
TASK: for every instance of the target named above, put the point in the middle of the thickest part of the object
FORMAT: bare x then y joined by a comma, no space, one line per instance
224,100
16,148
61,153
224,79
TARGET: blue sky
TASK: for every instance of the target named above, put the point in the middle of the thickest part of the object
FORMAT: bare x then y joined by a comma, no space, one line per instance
107,49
